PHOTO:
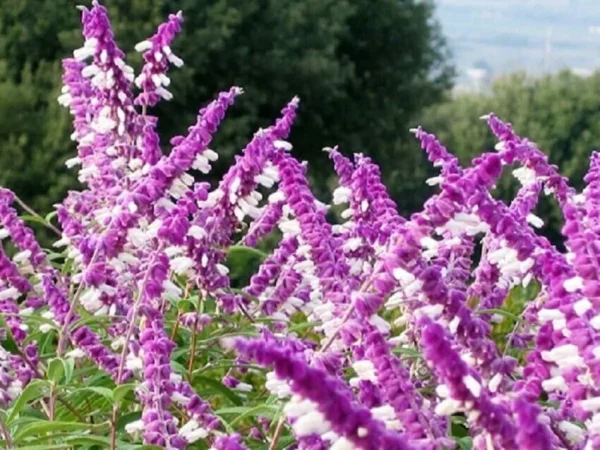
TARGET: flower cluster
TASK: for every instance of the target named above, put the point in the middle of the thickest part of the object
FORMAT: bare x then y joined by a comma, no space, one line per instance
370,331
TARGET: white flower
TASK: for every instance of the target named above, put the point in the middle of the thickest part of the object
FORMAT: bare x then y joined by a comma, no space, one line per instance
75,354
573,284
313,422
298,406
46,328
365,370
342,444
276,386
243,387
595,322
590,404
276,197
463,223
181,264
347,213
554,384
447,407
403,276
582,306
72,162
546,315
534,221
10,292
197,232
565,356
134,427
290,227
282,145
134,363
193,436
472,385
175,60
495,382
572,432
172,290
387,415
222,269
143,46
434,181
341,195
442,391
433,311
22,256
525,175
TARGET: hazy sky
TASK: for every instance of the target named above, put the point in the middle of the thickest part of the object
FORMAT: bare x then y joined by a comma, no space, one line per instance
534,35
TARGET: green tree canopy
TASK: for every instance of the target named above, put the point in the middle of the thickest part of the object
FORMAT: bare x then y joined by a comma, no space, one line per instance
363,69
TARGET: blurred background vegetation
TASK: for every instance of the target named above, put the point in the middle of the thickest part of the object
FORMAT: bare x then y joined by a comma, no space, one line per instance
366,71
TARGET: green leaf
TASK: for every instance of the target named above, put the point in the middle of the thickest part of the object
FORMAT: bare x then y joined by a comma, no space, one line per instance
89,320
101,391
66,268
121,391
246,412
238,251
51,215
42,447
69,365
55,370
104,442
35,219
34,390
465,443
219,387
46,426
243,262
407,351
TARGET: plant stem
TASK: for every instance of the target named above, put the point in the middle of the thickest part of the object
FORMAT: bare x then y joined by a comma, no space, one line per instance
6,435
277,433
64,329
194,339
33,213
52,402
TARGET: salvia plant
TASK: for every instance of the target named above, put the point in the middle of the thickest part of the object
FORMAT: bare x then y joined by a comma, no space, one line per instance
459,327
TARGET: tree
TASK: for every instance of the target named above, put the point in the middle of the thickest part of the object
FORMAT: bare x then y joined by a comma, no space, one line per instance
561,113
363,69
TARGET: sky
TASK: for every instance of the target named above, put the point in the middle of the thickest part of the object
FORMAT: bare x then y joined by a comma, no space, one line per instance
533,35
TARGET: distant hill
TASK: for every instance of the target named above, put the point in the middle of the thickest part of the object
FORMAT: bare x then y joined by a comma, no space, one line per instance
533,35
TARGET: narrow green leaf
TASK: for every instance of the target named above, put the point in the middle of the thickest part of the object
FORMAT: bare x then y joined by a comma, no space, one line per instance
33,391
407,351
219,387
245,412
43,447
46,426
35,219
239,250
101,391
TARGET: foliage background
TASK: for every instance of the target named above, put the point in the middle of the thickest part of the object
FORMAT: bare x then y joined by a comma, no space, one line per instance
362,68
